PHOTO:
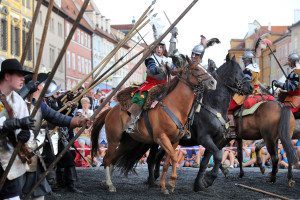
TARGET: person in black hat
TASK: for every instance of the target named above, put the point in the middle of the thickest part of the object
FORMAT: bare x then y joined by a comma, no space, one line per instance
53,119
11,80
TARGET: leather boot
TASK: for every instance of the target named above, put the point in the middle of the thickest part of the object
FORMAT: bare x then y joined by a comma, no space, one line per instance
71,177
51,178
135,111
232,127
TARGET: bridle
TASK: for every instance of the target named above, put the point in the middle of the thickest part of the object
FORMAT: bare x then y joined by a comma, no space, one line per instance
237,86
198,87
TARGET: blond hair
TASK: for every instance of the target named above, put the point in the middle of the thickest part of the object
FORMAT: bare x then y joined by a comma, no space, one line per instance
85,99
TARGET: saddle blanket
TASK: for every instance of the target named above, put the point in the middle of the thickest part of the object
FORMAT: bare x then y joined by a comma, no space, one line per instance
248,111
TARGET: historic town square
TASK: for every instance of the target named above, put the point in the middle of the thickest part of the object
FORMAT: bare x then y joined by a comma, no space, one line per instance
149,99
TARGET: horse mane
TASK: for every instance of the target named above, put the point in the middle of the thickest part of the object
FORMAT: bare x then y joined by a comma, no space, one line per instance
173,83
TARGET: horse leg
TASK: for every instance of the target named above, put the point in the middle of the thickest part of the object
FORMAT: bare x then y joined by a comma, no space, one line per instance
210,177
224,170
273,148
159,157
291,182
164,175
165,143
240,156
258,158
173,173
151,164
198,184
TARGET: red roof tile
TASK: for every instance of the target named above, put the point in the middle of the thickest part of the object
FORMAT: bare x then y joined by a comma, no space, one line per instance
277,29
122,26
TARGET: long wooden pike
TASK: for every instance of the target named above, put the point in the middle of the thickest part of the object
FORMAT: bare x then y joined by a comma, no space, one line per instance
150,48
39,101
29,37
262,191
104,62
41,49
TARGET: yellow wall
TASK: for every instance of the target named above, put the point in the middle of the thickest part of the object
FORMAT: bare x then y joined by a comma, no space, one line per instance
297,31
16,11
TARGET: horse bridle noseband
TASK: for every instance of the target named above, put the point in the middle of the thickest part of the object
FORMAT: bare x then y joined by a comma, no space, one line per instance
199,87
239,84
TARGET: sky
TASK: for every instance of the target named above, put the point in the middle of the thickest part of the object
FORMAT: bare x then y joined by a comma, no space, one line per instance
223,19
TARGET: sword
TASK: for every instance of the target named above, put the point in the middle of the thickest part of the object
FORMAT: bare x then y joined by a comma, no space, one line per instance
41,160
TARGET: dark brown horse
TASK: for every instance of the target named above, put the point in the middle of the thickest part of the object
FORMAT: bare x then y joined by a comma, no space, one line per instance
125,151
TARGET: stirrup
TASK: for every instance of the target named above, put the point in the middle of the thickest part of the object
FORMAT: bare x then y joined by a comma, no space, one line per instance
129,130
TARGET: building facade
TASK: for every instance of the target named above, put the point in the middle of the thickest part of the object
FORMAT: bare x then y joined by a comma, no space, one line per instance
15,21
54,40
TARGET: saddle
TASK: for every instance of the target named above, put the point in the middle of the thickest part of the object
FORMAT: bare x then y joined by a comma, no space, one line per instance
124,96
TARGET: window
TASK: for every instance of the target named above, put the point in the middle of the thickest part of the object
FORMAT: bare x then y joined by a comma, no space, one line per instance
52,25
40,18
295,41
3,34
89,42
24,38
52,57
82,64
82,38
59,29
90,66
15,40
79,64
28,4
73,61
68,29
86,66
85,39
78,36
68,60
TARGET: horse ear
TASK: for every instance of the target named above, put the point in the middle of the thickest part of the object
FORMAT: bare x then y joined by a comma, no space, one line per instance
227,57
188,59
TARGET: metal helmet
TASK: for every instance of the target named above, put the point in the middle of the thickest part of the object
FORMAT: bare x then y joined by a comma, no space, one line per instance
52,89
293,58
198,49
248,57
164,45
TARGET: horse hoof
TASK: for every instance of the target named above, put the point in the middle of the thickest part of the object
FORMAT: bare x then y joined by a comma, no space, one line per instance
112,189
103,184
172,186
262,170
241,175
270,174
205,183
198,188
292,183
226,172
165,192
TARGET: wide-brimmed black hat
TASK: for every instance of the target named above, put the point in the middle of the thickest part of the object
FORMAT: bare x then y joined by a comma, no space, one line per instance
40,78
13,65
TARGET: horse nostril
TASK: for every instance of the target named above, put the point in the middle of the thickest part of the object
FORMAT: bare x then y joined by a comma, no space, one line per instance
212,82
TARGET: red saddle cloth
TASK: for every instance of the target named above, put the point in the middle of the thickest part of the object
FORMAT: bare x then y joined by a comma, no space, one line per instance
249,102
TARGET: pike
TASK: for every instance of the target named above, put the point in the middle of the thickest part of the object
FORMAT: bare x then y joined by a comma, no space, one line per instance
150,48
277,61
28,40
39,101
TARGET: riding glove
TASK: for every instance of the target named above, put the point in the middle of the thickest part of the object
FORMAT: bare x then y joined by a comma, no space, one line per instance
29,88
23,136
278,84
14,123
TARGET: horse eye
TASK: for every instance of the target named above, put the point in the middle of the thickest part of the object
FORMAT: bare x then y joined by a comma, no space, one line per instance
196,69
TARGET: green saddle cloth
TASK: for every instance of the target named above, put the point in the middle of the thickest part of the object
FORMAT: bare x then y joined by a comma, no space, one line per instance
248,111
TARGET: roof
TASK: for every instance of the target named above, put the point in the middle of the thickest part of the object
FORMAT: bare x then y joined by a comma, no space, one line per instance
122,26
278,29
295,25
71,10
282,37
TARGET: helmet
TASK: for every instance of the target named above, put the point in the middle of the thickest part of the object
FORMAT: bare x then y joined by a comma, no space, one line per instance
52,89
293,58
248,57
198,49
164,45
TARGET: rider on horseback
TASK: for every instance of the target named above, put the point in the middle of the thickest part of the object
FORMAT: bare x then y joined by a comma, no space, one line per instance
252,72
157,66
292,85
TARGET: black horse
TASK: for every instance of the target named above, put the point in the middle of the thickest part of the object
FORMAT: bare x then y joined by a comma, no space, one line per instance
208,128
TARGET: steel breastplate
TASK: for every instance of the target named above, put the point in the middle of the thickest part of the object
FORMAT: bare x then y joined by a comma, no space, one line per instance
159,77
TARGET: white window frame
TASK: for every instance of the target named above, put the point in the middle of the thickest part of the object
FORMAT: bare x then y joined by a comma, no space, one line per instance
73,61
68,60
79,64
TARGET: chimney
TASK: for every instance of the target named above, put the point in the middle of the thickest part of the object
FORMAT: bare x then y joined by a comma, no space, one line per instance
269,26
133,20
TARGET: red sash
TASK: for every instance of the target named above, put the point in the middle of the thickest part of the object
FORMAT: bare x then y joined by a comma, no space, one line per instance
150,82
294,93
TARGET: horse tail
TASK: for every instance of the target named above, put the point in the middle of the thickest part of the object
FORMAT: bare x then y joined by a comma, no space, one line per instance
97,126
284,134
127,162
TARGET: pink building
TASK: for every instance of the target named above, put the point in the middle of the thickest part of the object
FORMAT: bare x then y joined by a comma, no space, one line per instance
79,52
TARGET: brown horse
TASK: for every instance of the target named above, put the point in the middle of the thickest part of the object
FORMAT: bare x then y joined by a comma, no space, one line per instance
271,121
125,151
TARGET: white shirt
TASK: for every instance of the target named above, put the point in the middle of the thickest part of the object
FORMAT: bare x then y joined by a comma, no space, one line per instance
254,67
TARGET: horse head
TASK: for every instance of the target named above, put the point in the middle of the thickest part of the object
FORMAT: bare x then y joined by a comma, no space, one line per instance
235,78
196,76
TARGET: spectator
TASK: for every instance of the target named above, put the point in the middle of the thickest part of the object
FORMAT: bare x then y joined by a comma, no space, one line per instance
246,151
199,156
190,156
91,95
283,161
253,159
180,155
85,110
297,148
229,153
83,139
113,101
